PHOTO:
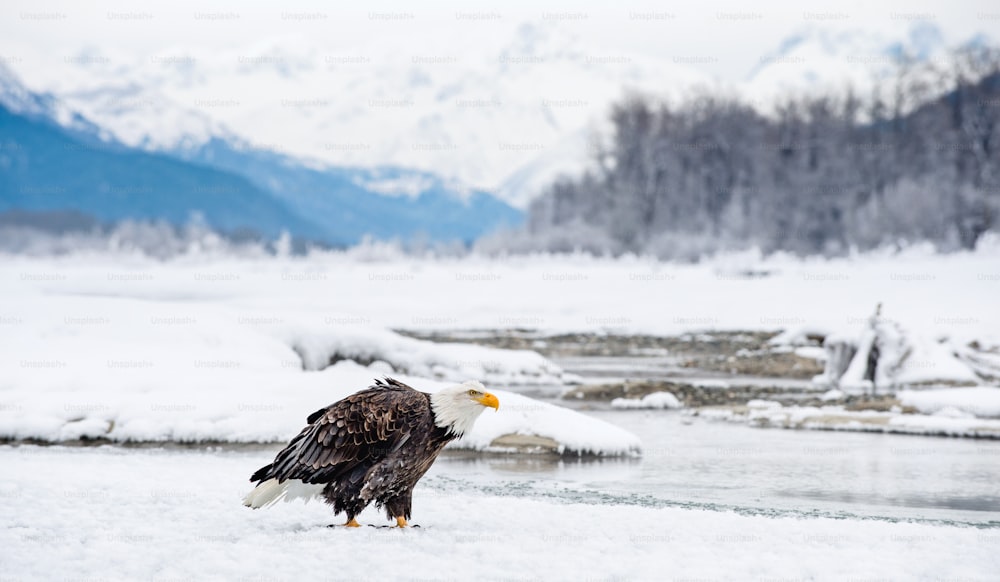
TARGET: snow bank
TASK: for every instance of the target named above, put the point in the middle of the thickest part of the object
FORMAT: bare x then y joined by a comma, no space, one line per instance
979,401
770,414
454,362
128,369
656,400
272,408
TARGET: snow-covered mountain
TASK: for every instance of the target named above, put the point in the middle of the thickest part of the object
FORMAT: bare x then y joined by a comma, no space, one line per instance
523,112
507,116
52,159
820,59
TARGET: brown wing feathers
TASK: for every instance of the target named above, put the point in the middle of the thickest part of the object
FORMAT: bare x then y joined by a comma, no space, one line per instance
360,429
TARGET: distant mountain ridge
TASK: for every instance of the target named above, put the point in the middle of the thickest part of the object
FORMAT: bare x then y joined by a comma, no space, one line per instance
342,200
53,159
44,168
508,115
322,141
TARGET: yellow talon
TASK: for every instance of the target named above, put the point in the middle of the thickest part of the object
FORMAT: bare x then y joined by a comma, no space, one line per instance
352,523
400,522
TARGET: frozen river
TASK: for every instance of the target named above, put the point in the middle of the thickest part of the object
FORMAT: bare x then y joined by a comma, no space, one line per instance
715,465
698,463
701,464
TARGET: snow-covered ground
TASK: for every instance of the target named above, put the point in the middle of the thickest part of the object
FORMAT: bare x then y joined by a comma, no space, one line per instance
930,294
73,513
951,415
218,348
209,347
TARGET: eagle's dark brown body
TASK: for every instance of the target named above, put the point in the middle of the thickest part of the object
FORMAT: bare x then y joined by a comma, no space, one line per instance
372,446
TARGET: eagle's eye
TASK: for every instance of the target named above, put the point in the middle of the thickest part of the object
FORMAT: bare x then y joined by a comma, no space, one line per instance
474,393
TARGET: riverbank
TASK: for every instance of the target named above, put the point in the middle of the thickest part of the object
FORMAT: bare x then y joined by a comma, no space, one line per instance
711,376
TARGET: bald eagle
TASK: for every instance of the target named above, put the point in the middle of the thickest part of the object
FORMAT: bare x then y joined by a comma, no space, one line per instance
371,446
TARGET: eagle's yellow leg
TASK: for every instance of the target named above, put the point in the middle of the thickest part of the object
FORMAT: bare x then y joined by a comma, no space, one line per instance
352,523
400,521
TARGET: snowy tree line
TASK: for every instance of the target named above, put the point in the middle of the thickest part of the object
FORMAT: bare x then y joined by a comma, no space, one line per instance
915,159
53,233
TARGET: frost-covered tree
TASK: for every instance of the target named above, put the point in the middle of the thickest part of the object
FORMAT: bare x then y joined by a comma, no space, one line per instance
915,160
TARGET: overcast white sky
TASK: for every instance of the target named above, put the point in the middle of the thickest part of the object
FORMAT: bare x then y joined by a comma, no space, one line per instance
734,34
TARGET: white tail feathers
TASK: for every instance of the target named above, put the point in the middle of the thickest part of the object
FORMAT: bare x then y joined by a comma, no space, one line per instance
269,492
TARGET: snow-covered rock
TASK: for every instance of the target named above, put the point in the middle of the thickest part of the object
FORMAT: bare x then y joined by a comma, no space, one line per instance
800,335
560,430
833,394
656,400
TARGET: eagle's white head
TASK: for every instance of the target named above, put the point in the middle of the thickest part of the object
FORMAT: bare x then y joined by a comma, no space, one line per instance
456,408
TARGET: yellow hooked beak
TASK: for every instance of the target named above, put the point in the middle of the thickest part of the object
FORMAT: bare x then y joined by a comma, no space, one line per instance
490,400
